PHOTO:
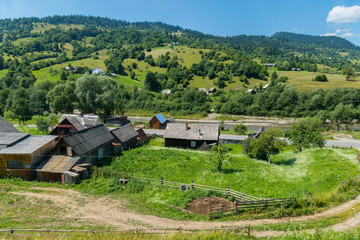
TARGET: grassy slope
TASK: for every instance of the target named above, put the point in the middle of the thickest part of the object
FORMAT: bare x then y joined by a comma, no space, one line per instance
41,27
317,170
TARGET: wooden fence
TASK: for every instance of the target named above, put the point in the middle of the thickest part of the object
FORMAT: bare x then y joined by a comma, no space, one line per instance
243,205
245,229
186,186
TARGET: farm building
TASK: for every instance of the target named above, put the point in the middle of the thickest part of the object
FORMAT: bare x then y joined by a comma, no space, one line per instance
158,122
142,137
252,91
257,133
212,90
203,90
98,71
187,135
5,126
117,120
166,91
74,123
90,144
266,86
10,138
126,137
21,157
53,169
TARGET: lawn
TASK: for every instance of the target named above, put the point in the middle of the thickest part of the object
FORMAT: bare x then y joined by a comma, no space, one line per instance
319,171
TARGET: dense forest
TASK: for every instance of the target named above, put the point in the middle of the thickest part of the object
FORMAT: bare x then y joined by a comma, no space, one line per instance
24,48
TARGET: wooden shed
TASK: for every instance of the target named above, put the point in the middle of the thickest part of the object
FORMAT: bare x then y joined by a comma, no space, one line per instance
21,158
117,120
52,170
158,122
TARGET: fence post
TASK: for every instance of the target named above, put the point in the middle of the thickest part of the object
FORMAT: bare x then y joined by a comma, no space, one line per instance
192,184
249,230
132,174
229,194
266,203
162,181
236,206
11,231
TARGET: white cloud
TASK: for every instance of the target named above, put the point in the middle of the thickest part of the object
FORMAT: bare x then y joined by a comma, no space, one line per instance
349,34
328,34
342,14
342,30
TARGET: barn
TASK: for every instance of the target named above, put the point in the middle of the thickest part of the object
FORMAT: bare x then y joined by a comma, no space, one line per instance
158,122
185,135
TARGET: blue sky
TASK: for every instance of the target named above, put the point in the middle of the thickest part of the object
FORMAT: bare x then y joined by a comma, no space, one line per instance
219,17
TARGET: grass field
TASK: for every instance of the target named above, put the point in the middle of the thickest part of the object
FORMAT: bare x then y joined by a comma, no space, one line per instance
41,27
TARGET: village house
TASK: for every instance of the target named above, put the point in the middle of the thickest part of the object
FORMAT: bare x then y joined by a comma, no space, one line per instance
257,133
117,120
142,137
252,91
90,144
98,71
187,135
166,91
266,86
212,90
74,123
126,138
22,153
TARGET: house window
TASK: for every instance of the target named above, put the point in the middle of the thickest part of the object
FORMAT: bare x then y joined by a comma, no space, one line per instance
193,144
14,165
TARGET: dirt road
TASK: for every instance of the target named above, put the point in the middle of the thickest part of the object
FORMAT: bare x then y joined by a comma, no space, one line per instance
113,213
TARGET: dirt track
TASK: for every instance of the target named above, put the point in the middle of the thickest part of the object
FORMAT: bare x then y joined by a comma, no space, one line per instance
111,212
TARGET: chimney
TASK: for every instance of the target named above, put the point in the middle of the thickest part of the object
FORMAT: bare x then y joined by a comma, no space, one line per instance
186,126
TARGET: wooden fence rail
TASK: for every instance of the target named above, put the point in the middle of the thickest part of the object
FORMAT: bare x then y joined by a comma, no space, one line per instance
246,229
243,205
194,186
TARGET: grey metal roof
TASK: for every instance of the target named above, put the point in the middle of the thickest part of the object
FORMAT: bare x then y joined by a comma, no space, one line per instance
82,122
88,139
166,91
171,120
28,145
195,131
125,133
8,138
58,164
5,126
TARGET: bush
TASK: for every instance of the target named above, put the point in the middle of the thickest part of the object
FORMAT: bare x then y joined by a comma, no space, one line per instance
321,78
240,129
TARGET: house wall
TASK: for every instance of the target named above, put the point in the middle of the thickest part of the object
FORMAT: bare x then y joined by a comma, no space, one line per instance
29,161
182,143
154,123
49,177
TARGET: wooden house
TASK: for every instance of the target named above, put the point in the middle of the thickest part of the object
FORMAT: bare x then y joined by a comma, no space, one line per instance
21,157
126,138
74,123
251,91
117,120
90,144
98,71
187,135
166,91
212,90
158,122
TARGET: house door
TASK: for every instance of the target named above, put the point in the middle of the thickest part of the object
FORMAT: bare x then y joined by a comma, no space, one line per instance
100,153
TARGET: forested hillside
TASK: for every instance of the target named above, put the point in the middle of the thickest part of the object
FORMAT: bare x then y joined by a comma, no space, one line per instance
45,66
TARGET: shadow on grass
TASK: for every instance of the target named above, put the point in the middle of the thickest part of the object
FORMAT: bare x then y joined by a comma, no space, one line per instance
231,170
288,162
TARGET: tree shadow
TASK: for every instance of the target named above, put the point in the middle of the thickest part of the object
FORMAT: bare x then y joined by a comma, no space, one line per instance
287,162
231,170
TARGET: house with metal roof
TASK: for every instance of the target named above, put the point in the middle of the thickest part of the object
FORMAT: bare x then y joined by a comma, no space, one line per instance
158,122
69,123
23,153
10,138
166,91
187,135
5,126
126,137
257,133
90,144
98,71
